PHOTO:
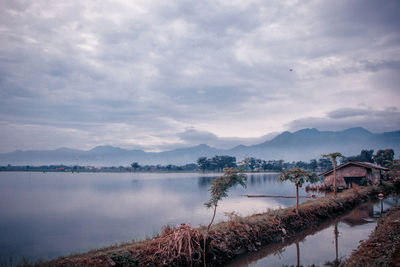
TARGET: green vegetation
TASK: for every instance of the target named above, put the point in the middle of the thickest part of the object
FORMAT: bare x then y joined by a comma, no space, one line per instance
183,245
217,163
333,157
298,176
384,157
220,186
364,156
135,166
76,168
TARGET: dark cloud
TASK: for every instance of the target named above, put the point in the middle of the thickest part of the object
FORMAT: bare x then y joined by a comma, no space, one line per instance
348,112
137,73
374,120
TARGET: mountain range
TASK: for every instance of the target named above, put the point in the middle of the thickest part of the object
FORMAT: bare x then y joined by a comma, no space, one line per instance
303,145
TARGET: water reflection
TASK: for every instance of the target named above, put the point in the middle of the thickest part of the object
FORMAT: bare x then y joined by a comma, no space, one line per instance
252,179
53,214
204,182
312,246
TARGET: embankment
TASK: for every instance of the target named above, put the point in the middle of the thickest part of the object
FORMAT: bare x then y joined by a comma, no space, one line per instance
383,246
183,245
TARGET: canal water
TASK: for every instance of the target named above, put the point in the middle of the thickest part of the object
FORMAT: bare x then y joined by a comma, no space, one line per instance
328,245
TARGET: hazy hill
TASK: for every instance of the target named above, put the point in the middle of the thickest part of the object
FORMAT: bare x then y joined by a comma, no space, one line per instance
301,145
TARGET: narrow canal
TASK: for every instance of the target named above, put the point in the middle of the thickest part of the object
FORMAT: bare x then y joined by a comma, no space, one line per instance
328,245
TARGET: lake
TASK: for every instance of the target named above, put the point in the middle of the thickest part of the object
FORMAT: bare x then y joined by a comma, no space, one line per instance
45,215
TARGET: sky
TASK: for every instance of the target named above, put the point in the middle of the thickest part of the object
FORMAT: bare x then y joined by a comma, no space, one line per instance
158,75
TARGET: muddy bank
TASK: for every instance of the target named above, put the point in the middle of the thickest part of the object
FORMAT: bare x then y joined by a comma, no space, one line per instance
325,245
183,245
383,246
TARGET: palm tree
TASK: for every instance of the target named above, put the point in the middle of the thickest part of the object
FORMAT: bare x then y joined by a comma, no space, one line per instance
333,157
298,176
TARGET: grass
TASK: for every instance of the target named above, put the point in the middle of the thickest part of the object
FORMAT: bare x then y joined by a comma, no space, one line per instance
183,245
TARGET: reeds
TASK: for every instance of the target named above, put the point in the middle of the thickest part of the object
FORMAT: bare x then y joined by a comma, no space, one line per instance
175,246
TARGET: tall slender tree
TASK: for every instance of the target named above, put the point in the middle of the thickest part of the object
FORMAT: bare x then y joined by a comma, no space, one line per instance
333,157
220,186
298,176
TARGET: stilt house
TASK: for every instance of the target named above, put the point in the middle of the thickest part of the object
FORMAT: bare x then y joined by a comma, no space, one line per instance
353,172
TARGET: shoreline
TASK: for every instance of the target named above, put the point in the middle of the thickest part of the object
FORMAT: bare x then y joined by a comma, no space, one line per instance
138,172
382,248
184,245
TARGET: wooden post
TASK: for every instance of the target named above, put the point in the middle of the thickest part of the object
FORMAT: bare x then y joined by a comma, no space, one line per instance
334,177
297,199
336,232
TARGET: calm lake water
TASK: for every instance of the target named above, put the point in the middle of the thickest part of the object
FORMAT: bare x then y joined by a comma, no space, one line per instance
45,215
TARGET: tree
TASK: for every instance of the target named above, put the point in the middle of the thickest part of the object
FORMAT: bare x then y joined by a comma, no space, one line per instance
365,156
313,164
252,163
394,171
244,164
217,163
384,157
203,163
333,157
264,165
135,166
298,176
226,161
325,164
220,186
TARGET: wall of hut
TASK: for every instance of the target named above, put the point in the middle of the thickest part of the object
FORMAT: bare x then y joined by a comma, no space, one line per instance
348,171
375,176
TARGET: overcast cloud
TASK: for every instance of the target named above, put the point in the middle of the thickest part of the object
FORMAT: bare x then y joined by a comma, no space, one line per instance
162,74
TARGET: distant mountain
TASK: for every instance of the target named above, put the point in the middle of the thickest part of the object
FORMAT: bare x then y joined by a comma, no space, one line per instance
303,145
311,143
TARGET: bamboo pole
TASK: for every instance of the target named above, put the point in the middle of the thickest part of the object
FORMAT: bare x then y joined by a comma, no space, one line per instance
276,196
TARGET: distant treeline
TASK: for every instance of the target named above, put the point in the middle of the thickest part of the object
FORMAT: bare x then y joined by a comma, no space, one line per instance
382,157
77,168
218,163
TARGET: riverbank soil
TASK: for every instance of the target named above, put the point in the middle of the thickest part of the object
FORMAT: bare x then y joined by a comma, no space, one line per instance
383,246
184,245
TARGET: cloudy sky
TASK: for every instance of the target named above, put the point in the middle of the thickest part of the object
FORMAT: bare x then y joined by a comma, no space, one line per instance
157,74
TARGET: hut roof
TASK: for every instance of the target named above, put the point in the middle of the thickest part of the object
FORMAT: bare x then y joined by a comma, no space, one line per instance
367,165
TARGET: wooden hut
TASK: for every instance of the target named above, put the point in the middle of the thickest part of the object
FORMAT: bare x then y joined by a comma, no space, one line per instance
353,172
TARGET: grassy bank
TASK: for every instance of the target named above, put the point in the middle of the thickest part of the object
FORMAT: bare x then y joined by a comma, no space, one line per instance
383,246
183,245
